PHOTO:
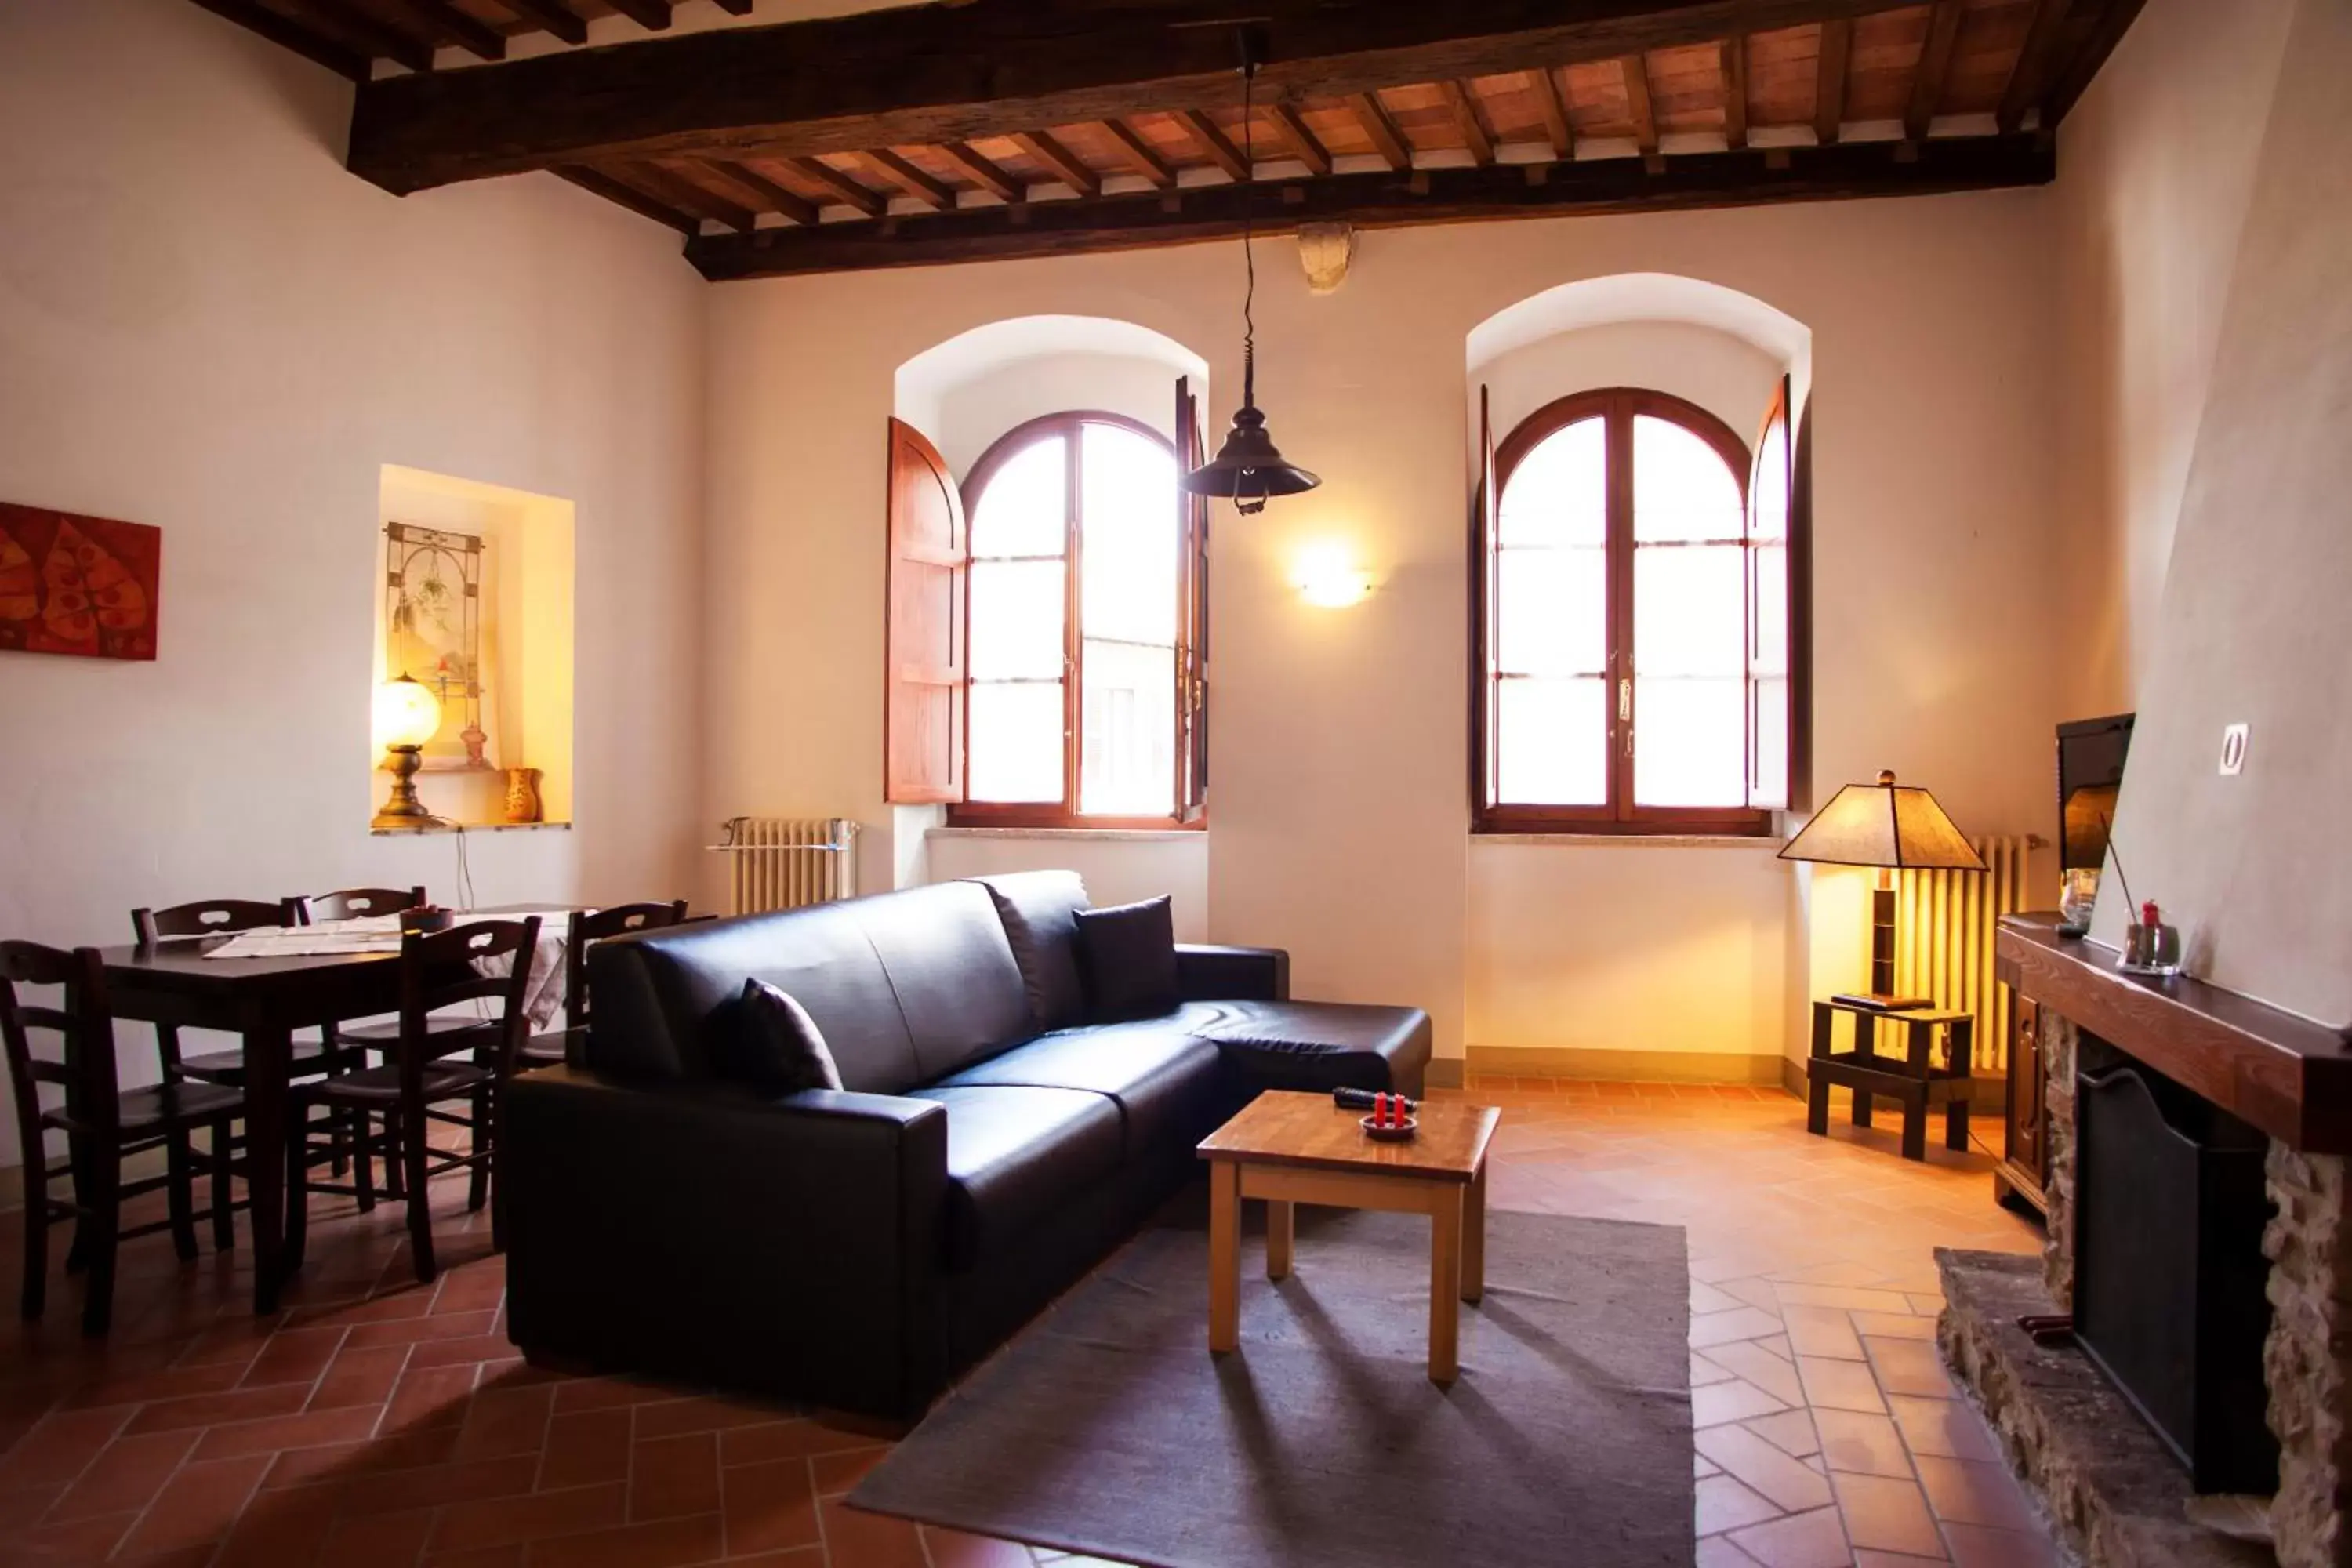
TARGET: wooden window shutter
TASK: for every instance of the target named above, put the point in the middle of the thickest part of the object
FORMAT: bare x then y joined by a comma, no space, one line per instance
923,676
1191,620
1770,562
1485,515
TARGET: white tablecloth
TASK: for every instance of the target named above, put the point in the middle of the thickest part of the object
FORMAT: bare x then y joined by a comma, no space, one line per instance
381,933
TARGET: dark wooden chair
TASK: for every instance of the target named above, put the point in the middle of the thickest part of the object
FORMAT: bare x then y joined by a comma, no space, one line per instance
103,1123
431,1069
354,903
563,1045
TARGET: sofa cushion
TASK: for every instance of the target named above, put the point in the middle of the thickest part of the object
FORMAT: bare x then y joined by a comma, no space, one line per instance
1015,1155
776,1047
1165,1080
1321,1045
1127,956
953,969
1039,911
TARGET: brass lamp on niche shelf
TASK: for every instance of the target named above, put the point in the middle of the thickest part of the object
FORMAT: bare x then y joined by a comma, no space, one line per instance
407,715
1895,827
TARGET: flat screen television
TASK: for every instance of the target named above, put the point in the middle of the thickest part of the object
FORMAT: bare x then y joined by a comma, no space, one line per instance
2090,778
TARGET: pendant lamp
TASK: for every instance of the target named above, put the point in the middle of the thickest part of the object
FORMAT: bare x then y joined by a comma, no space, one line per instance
1249,470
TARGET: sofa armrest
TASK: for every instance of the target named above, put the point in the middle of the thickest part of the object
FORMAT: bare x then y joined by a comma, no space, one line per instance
1207,974
787,1245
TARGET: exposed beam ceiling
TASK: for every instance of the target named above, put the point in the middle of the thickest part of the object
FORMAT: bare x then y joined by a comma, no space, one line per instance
1379,200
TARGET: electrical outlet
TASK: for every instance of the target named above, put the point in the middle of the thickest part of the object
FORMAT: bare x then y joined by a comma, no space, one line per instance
2233,751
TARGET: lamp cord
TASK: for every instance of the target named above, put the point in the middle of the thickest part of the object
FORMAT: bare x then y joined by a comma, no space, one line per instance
1249,252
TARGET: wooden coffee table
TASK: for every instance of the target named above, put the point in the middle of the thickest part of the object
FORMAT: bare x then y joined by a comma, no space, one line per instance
1289,1148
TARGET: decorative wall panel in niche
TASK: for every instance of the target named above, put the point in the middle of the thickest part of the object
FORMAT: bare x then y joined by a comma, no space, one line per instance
77,585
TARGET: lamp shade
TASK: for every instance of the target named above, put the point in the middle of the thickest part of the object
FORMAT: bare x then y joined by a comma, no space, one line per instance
407,712
1249,466
1884,823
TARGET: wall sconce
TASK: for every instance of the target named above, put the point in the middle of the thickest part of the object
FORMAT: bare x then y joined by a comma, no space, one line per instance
407,715
1328,577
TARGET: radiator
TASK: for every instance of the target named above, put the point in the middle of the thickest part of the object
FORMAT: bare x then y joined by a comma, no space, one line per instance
1944,932
787,863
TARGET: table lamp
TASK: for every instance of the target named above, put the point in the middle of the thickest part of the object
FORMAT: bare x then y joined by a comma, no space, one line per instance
1895,827
407,715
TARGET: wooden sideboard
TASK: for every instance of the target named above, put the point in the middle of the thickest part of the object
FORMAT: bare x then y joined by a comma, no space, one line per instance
2023,1173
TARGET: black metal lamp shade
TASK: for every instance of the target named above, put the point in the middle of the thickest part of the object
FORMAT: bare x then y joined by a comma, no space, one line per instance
1249,468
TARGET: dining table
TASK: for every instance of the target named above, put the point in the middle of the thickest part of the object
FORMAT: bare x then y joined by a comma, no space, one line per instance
264,1001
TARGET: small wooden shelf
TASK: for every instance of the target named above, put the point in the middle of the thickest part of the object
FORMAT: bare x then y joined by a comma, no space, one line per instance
471,827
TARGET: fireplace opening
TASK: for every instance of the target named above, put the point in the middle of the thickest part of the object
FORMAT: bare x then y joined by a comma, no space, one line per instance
2168,1267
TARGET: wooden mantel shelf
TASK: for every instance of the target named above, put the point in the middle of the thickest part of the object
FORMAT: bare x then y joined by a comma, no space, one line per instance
2286,1075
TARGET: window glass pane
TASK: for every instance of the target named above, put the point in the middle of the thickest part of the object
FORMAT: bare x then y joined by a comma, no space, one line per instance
1690,610
1690,741
1128,521
1681,489
1559,492
1551,611
1024,510
1015,742
1552,742
1128,768
1771,496
1016,619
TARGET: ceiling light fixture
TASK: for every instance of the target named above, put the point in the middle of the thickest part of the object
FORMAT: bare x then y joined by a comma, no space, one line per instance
1249,470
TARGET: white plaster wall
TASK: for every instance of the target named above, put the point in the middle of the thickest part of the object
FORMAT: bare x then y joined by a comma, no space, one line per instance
206,324
1118,870
1338,779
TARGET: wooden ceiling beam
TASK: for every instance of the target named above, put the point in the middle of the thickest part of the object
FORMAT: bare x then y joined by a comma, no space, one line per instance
844,189
601,184
1935,68
380,39
1140,154
553,17
985,172
440,17
1384,200
1064,164
1468,119
675,190
1559,130
1828,80
991,67
2032,66
287,34
1215,145
912,178
1735,91
651,14
758,192
735,7
1382,129
1303,142
2074,78
1638,107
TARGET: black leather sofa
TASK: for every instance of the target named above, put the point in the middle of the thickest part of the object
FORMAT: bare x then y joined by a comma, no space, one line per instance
856,1249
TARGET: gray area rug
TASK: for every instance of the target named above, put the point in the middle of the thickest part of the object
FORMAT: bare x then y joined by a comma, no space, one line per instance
1108,1429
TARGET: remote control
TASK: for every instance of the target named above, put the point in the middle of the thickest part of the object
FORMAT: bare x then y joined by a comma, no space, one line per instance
1362,1099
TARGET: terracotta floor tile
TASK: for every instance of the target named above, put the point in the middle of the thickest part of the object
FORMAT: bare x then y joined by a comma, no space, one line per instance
430,1396
858,1540
1725,1505
584,1449
1852,1298
500,1521
80,1542
1912,1367
1862,1444
503,1421
310,1430
381,1541
1791,1432
954,1549
60,1448
673,1476
413,1330
1840,1385
170,1383
1968,1492
1762,1467
1717,1551
1703,1372
837,1473
1973,1546
1889,1326
1750,1360
1736,1400
1947,1428
663,1543
125,1477
394,1491
1724,1328
360,1377
1821,1332
1887,1514
481,1557
676,1417
293,1355
196,1506
477,1287
769,1507
1813,1539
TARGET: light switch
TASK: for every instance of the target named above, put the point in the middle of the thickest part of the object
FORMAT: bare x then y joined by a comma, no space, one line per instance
2233,751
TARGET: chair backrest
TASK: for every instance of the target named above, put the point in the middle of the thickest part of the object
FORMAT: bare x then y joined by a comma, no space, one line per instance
211,917
85,1067
356,903
444,969
593,926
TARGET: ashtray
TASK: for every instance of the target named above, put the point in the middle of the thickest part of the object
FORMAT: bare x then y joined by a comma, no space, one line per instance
423,922
1397,1134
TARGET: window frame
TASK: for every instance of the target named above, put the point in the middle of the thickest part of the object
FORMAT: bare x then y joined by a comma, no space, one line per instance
1064,815
1618,814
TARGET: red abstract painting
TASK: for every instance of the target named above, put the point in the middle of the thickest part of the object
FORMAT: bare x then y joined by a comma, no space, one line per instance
77,584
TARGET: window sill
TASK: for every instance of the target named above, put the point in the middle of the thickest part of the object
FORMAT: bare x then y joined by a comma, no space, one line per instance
1091,835
1638,840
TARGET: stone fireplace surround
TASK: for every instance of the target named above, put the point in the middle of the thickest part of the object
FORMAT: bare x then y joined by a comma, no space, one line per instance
2115,1491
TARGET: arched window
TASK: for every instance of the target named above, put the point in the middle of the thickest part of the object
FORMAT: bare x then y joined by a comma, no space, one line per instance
1632,622
1077,593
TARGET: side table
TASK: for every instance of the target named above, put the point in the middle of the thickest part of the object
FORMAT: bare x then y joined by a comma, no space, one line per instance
1912,1076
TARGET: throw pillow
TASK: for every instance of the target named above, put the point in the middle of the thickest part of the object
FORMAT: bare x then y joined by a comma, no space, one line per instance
778,1047
1127,956
1037,910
